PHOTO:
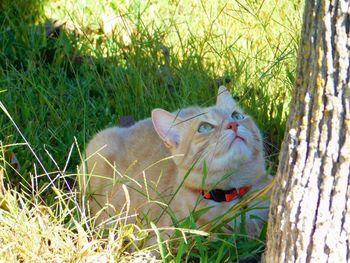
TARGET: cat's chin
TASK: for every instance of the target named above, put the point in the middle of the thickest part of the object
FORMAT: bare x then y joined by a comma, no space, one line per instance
240,152
238,155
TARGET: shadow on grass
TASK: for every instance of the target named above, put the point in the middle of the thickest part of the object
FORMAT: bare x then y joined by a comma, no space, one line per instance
60,83
21,11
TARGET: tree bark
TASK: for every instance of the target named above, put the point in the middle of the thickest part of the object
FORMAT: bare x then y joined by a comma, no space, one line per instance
310,204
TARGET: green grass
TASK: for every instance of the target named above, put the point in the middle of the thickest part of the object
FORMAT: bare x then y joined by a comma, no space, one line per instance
62,88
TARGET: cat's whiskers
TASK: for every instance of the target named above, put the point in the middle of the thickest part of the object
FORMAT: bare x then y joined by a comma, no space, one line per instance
218,142
201,155
208,150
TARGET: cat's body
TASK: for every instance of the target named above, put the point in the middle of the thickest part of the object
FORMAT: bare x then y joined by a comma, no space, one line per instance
226,140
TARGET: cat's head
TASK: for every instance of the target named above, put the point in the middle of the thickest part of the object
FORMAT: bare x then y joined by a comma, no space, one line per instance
223,136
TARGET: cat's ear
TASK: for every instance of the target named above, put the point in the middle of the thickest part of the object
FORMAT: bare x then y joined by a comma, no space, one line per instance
165,125
224,99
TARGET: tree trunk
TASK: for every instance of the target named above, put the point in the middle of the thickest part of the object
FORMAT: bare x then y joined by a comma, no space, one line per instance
310,204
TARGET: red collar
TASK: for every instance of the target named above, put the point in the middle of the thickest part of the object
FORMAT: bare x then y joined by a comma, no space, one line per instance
219,195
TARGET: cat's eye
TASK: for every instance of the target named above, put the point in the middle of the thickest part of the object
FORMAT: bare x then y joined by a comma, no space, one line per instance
205,127
236,116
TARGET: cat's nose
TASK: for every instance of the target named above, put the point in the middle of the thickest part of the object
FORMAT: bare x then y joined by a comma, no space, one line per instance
233,126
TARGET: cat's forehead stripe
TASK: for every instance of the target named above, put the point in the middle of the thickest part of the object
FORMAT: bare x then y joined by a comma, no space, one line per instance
218,113
197,116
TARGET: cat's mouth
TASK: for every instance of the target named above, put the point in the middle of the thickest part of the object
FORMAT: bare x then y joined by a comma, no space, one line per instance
237,138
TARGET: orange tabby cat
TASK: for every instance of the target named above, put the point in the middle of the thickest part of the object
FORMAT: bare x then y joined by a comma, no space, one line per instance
147,162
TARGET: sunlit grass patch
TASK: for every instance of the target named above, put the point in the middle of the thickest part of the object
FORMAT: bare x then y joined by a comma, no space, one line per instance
34,232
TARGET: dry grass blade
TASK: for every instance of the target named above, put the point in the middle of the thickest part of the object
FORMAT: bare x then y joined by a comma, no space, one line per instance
3,202
2,186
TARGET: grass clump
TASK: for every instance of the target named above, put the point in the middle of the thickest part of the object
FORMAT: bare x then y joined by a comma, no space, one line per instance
71,68
31,232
